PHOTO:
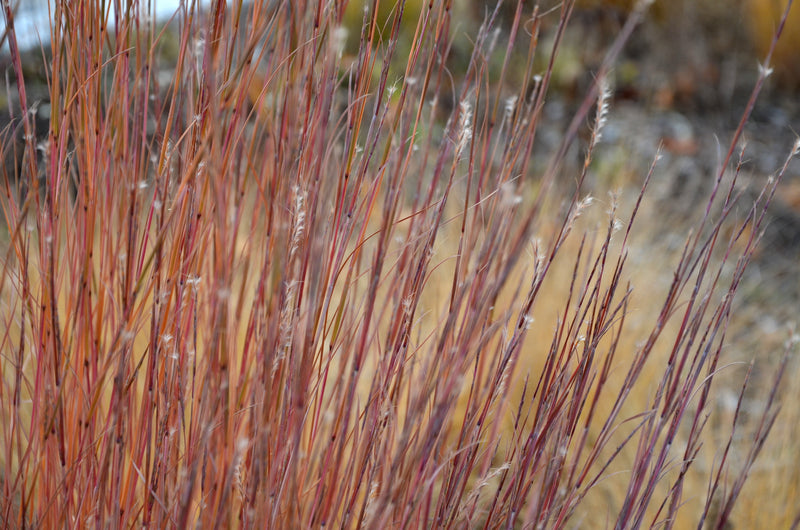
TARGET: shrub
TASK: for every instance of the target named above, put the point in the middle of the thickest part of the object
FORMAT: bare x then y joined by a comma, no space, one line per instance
265,286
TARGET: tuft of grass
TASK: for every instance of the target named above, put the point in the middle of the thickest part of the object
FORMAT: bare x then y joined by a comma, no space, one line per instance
268,284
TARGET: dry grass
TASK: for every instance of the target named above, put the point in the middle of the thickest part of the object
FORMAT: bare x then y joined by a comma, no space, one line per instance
283,287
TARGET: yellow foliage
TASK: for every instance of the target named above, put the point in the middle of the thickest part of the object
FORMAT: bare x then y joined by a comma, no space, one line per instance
387,9
764,16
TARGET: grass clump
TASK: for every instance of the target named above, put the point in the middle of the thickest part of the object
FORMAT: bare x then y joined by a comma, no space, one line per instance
265,287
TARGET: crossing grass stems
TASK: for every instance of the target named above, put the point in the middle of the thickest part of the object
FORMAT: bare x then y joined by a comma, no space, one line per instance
253,280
